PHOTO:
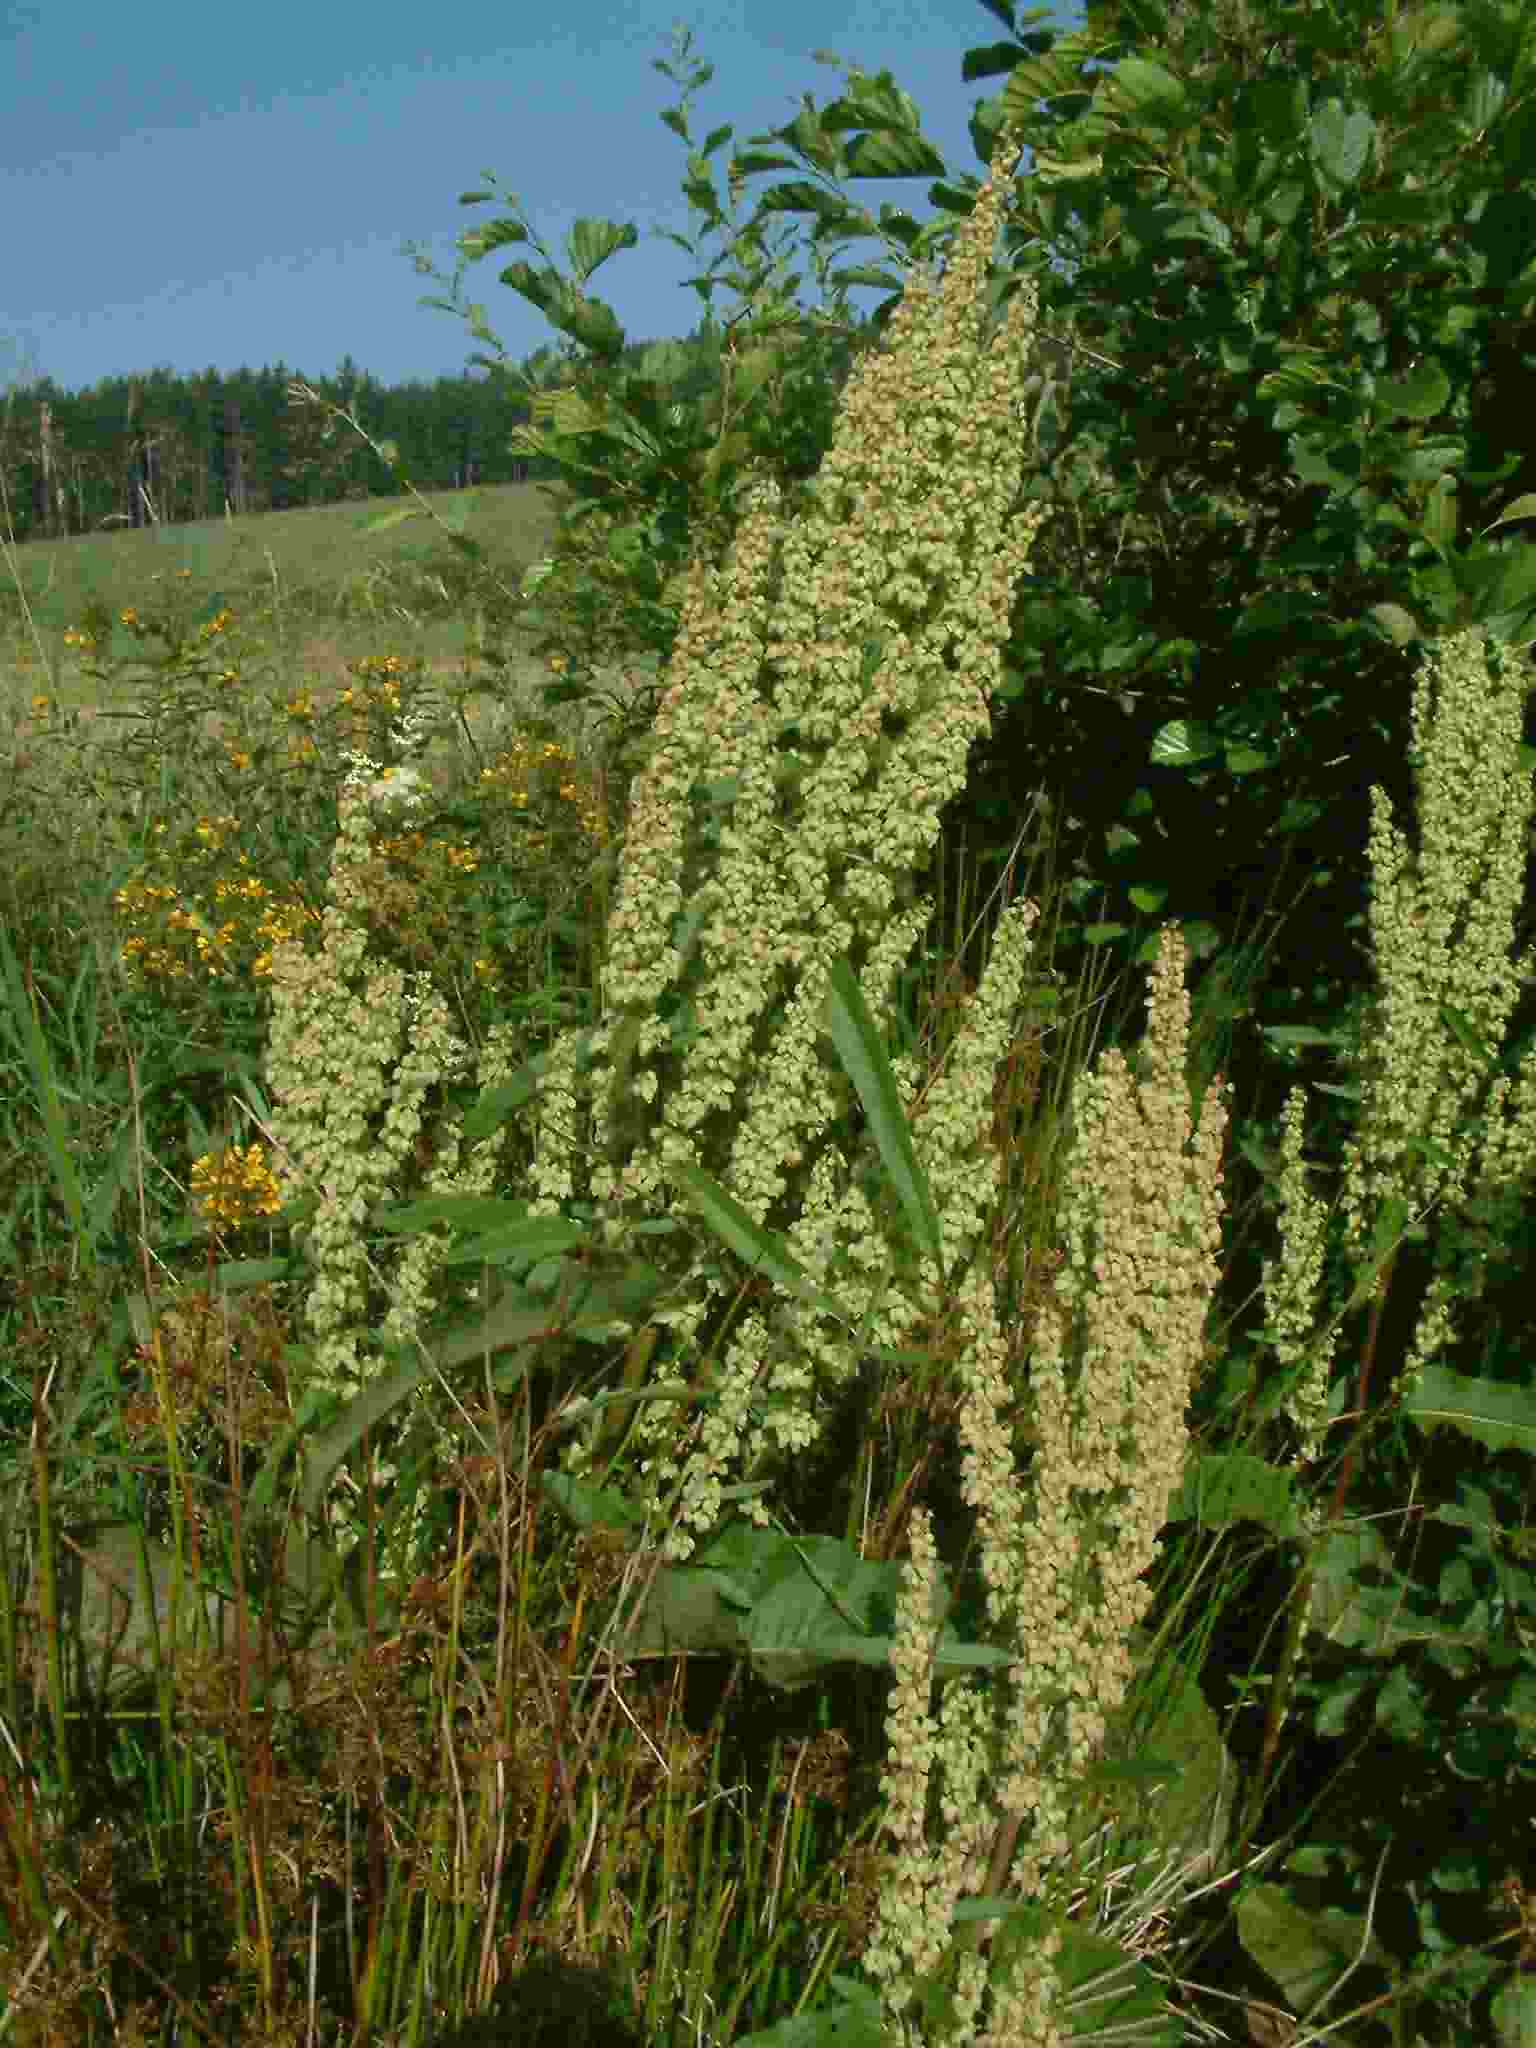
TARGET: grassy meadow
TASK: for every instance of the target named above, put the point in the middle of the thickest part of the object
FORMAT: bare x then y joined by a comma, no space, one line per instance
314,586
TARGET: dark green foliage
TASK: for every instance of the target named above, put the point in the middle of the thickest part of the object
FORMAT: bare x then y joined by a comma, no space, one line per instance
551,2003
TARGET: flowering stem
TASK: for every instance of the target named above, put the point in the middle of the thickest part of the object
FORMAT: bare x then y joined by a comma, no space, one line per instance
1301,1598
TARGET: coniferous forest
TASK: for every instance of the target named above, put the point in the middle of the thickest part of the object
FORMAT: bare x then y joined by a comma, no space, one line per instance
158,448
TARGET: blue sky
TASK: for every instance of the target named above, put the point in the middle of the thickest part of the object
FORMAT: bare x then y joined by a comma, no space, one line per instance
211,187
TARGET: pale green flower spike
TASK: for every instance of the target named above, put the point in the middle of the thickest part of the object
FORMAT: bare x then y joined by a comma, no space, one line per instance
353,1055
836,671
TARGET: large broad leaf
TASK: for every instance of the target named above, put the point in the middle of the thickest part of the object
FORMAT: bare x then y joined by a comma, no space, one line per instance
1494,1413
1359,1600
1514,2013
858,1046
1306,1953
794,1606
1220,1489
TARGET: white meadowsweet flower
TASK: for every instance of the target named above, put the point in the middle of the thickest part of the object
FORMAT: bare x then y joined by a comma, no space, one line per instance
392,786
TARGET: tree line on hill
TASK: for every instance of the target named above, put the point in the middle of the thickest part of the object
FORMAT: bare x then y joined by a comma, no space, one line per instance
162,449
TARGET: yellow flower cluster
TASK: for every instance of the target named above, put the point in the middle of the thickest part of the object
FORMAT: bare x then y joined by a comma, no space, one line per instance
234,1186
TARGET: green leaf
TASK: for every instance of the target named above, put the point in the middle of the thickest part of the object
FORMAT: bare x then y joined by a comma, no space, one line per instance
1514,2012
1524,507
1461,1030
467,1212
496,1104
396,516
1220,1489
1358,1599
1146,90
863,1058
855,2019
795,1606
1420,395
1494,1413
750,1242
1178,743
506,1327
1341,142
1305,1952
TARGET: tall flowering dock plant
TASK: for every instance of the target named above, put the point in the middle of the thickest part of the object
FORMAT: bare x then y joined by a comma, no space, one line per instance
825,690
1111,1371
